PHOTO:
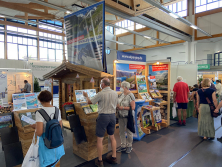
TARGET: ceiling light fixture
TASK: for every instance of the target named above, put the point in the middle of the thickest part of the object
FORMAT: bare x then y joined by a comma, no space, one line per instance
68,12
120,43
2,16
194,27
147,37
173,15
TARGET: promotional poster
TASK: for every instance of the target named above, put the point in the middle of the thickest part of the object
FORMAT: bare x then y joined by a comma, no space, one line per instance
31,100
85,32
158,77
6,121
128,72
141,83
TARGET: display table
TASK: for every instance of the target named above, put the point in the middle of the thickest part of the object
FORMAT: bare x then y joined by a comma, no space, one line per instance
88,150
190,109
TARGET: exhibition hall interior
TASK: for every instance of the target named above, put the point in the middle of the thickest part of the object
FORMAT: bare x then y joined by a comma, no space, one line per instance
125,83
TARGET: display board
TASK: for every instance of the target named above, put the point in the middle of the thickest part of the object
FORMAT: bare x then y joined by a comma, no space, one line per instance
25,101
158,77
128,72
79,94
6,120
85,33
3,82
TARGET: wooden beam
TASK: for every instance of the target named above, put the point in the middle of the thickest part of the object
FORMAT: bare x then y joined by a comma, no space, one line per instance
134,36
34,6
117,44
21,8
26,17
206,37
153,46
209,12
30,28
46,8
119,7
138,30
158,37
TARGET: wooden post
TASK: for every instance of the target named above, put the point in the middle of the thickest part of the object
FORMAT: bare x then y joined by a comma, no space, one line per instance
52,90
168,97
74,88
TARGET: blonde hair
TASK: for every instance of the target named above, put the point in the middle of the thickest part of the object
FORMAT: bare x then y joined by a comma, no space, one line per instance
125,84
206,83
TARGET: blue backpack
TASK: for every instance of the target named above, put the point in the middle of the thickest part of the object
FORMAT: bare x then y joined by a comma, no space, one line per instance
53,132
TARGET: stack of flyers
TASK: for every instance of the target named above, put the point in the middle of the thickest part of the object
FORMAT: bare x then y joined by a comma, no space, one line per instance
157,92
157,116
87,109
94,107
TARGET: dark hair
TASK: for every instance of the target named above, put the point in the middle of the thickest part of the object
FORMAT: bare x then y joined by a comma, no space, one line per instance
106,82
45,96
200,86
196,86
25,81
218,81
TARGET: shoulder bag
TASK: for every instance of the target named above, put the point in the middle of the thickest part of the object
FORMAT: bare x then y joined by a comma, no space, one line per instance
212,107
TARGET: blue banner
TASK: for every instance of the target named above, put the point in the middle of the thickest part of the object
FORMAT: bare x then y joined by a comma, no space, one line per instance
85,32
130,56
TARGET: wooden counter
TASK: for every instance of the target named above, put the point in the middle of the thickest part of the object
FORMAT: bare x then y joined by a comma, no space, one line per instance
88,150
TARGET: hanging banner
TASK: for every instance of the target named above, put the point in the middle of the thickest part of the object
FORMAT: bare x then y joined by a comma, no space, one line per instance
85,32
127,72
130,56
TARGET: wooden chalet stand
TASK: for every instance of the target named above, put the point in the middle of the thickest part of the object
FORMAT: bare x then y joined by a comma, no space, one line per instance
76,77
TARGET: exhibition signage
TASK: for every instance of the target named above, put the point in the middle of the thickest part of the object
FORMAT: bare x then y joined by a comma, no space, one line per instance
127,72
3,82
85,33
160,67
130,56
25,101
203,66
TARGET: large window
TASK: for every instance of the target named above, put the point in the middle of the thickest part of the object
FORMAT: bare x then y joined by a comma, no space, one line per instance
51,50
110,29
2,48
204,5
55,24
179,8
125,24
21,44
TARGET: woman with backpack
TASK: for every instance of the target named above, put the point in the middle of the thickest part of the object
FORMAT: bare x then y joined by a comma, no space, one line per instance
125,100
49,129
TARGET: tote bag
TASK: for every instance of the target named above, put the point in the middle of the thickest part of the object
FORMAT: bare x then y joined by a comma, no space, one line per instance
49,157
174,110
32,157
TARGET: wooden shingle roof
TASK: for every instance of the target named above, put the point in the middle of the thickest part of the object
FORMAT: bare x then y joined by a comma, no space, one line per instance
60,71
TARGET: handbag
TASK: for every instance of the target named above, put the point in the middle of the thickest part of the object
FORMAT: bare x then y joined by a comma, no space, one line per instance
130,121
212,107
49,157
32,157
174,110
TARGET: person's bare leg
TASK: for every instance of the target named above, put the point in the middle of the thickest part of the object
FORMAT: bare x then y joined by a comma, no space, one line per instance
113,144
100,147
179,114
184,114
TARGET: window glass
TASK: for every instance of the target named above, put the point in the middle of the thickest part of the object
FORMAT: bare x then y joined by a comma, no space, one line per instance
25,41
59,56
12,51
34,42
205,5
43,54
22,30
51,54
9,38
15,39
20,40
32,52
2,50
2,37
53,45
41,43
29,41
11,28
22,52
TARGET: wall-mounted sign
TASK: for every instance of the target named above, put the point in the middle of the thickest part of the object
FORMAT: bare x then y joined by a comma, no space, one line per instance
162,67
203,66
131,56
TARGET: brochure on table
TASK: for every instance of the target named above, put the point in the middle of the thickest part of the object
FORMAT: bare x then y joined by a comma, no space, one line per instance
25,101
79,94
6,120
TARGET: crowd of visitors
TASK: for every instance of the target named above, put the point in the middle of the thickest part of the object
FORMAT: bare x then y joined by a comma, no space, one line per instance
206,97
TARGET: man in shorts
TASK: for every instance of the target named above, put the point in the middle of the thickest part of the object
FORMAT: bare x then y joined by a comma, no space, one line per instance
181,95
107,103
